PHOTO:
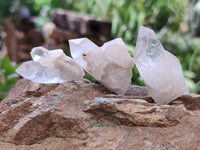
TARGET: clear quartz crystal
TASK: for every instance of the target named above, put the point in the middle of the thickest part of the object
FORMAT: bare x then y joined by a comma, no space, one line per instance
110,64
50,67
160,70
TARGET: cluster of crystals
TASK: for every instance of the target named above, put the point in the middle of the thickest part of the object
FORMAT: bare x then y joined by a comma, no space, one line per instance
50,67
160,70
111,65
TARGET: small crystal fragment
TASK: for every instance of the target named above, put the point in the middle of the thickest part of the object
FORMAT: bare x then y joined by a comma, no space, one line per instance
50,67
110,64
160,70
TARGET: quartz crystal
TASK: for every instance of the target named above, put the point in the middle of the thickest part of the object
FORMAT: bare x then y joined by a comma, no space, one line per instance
110,64
160,70
50,67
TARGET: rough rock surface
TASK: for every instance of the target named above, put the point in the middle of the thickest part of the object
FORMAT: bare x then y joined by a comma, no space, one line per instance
82,115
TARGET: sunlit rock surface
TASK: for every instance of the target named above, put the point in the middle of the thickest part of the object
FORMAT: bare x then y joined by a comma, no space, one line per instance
50,67
110,64
60,117
160,70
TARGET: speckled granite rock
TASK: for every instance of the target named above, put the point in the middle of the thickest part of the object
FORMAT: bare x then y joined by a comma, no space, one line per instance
82,115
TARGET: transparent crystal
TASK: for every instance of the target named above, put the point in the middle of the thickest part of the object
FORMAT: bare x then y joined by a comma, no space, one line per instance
50,67
160,70
38,52
110,64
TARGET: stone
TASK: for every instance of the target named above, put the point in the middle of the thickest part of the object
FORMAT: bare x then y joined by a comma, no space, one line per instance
160,70
50,67
83,25
136,111
110,64
82,115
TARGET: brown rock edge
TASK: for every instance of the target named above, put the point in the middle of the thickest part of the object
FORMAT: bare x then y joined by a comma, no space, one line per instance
85,116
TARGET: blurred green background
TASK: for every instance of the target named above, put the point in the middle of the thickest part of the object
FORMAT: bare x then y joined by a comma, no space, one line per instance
176,22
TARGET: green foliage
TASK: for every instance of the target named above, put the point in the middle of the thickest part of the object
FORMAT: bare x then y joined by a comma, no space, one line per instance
194,17
91,78
189,81
6,9
8,77
12,7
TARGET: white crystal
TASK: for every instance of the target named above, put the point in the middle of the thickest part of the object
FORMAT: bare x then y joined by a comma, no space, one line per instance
50,67
110,64
160,70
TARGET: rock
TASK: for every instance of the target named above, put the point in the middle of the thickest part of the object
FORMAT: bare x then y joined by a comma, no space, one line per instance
110,64
83,25
50,67
137,111
82,115
160,70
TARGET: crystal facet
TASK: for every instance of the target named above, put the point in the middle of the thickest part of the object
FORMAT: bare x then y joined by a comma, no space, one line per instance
110,64
50,67
160,70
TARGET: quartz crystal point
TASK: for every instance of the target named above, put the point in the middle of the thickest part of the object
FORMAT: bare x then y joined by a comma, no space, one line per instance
110,64
50,67
160,70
